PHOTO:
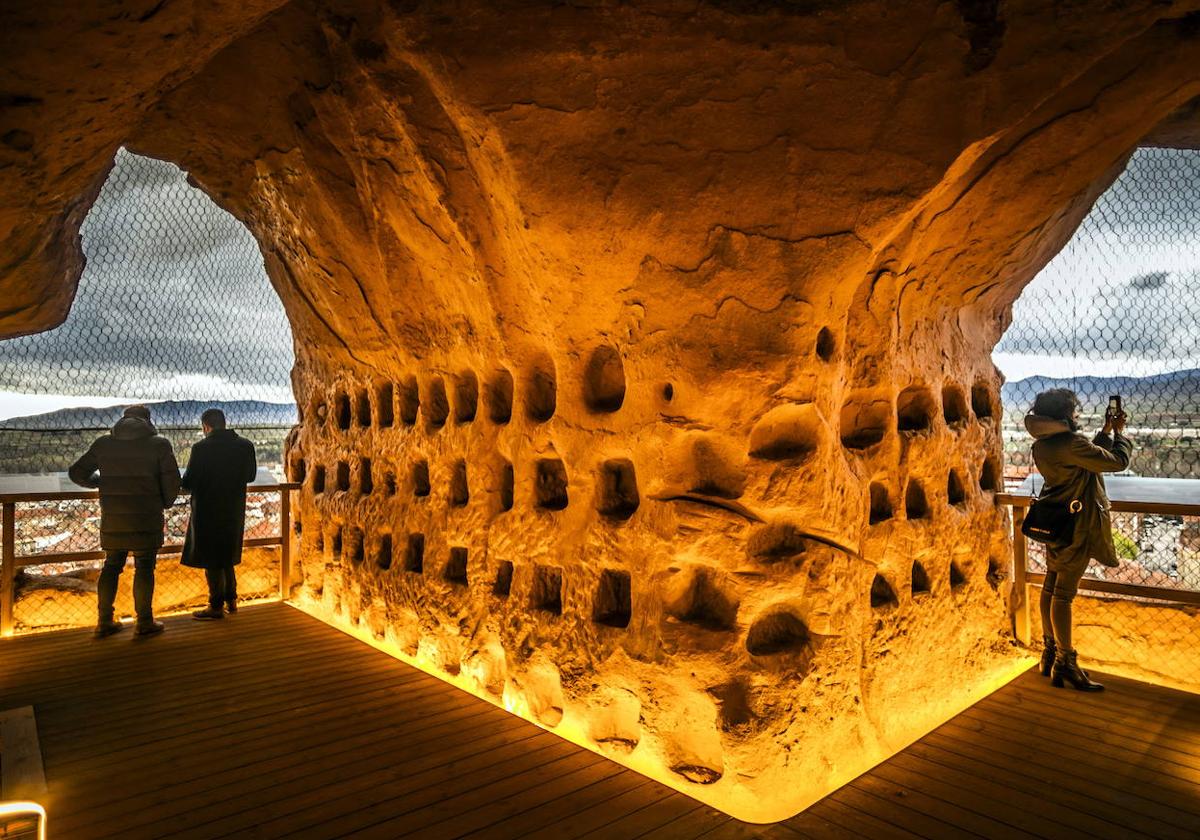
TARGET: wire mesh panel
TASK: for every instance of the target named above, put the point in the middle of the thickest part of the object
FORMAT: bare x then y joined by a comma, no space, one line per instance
62,593
174,310
1116,313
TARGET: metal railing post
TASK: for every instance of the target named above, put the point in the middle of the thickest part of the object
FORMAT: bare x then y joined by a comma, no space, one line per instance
1020,594
8,566
285,543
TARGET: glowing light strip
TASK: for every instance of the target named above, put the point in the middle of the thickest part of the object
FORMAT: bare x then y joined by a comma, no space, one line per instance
10,810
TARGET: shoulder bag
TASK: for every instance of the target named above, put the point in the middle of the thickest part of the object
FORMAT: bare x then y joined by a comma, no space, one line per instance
1051,523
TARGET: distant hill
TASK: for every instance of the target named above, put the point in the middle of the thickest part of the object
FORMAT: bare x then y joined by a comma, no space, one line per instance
1175,392
166,414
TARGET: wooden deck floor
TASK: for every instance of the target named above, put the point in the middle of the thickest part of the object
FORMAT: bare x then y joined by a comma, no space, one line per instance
271,724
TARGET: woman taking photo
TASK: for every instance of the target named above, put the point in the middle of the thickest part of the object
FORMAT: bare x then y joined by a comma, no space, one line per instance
1071,467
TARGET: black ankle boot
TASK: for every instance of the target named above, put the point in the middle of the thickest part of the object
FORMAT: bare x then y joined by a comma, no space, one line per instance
1068,670
1049,652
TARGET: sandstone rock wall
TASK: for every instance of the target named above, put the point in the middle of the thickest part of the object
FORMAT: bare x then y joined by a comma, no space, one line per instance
643,352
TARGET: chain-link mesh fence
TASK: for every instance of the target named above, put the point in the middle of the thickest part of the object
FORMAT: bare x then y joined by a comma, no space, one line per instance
174,310
1116,313
61,592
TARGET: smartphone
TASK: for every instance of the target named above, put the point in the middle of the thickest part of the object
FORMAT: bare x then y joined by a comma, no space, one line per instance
1114,406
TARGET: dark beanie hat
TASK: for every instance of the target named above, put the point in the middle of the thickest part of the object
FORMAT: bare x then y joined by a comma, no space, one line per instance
138,411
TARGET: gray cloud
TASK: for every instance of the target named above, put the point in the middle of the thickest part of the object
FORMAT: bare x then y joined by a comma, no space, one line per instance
174,298
1124,287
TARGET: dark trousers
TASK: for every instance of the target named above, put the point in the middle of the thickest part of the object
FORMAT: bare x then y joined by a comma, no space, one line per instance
222,586
1058,591
143,583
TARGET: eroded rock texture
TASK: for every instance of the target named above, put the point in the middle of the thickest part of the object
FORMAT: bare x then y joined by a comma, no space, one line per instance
643,352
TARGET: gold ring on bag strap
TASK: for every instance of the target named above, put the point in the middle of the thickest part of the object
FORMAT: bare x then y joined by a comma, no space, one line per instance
1075,506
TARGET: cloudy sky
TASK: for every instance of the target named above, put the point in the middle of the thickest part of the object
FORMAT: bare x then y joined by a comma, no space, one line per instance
1120,299
174,304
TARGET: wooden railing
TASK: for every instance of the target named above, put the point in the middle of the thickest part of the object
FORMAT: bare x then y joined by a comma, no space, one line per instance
11,562
1022,577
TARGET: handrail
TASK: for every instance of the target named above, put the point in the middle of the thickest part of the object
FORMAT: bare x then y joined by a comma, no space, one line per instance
10,561
64,495
1166,508
1022,577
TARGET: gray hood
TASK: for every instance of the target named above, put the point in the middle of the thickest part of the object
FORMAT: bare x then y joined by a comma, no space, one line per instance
1043,427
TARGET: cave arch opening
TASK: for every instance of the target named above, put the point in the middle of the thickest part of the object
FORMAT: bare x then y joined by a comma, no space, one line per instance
174,309
1114,312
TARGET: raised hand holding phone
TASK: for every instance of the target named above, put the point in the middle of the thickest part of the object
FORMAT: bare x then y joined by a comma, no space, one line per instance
1114,415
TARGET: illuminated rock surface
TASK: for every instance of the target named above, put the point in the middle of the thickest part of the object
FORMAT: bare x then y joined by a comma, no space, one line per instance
643,354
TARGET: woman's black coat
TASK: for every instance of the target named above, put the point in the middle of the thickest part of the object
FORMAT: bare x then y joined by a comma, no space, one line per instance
217,473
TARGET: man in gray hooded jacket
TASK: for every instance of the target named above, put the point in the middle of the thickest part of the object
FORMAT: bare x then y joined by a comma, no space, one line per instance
1071,466
138,477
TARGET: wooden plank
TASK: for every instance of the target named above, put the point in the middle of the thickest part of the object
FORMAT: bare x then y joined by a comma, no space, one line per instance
664,813
705,822
854,823
1056,790
1158,593
1051,705
168,550
918,795
815,829
1020,591
21,773
498,805
893,810
354,801
193,673
66,495
249,735
494,785
1097,769
1011,811
1172,508
1122,696
550,814
285,541
605,813
280,779
1105,741
8,566
322,736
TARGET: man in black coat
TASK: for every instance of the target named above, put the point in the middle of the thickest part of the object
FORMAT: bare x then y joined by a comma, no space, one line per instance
218,471
138,478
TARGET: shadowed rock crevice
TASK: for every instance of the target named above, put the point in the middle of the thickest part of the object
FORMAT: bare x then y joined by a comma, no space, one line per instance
499,397
414,554
550,484
545,593
604,380
617,492
699,596
455,571
541,389
613,604
882,593
466,397
881,504
914,409
436,404
502,586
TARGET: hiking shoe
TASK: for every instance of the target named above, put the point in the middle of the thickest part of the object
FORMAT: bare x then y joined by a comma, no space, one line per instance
149,628
108,628
231,607
208,614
